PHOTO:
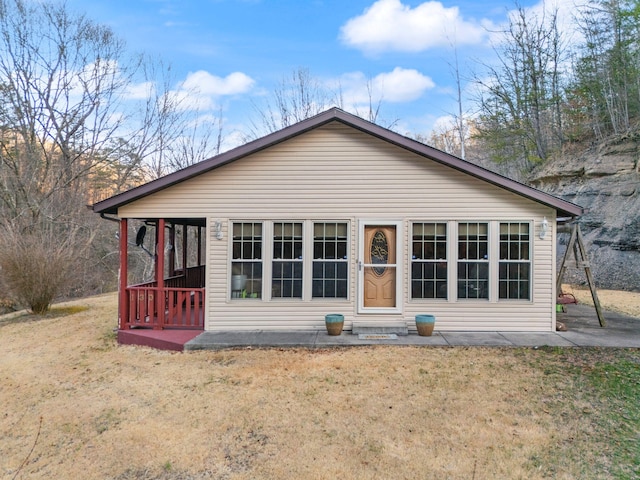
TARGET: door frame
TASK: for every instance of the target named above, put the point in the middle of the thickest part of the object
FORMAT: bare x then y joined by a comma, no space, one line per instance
398,266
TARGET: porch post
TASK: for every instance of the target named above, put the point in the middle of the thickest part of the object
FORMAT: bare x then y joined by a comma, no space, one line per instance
123,296
172,252
185,240
199,245
160,274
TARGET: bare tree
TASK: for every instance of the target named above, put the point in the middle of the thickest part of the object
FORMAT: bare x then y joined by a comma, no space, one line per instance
607,68
521,96
460,122
296,98
301,96
43,261
69,133
203,139
60,76
170,135
373,107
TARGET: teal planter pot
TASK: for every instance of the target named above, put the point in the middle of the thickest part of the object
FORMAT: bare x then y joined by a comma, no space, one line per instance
334,323
425,324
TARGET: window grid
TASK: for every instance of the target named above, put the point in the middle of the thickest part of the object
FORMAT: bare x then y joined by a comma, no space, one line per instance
429,261
330,260
287,265
246,267
473,260
514,271
429,272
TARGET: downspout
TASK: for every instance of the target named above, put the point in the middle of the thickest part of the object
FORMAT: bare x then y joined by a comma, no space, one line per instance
111,219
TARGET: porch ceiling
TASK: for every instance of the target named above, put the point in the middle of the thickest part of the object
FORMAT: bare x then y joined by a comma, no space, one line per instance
191,222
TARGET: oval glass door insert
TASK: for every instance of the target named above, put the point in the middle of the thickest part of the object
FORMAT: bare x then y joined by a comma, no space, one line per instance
379,252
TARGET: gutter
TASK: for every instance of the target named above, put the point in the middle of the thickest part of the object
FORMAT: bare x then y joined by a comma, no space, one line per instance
111,219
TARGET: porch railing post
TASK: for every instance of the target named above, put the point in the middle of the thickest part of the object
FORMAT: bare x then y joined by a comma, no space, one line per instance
185,246
199,245
160,292
123,297
172,251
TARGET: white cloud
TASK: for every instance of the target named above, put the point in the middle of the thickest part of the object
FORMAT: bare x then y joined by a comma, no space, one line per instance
189,100
140,91
200,91
402,85
445,123
208,84
388,25
566,11
398,86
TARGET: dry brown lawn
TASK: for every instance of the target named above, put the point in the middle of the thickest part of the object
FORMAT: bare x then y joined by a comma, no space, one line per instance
76,405
617,301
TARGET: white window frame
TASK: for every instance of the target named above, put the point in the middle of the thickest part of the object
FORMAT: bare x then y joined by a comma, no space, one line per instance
489,261
447,260
307,259
348,261
287,260
530,261
229,280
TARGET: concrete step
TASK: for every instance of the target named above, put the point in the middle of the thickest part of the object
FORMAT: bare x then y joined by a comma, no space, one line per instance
386,327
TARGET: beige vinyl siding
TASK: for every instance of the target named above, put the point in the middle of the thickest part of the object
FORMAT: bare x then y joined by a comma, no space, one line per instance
337,173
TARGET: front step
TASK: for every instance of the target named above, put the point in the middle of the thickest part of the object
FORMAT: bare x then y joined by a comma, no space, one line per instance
383,328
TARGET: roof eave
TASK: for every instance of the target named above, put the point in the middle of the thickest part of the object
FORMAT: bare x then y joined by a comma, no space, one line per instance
111,204
562,207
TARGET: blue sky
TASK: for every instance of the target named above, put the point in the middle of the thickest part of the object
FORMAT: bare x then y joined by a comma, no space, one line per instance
235,52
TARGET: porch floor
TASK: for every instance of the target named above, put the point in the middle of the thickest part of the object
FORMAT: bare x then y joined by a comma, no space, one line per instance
168,339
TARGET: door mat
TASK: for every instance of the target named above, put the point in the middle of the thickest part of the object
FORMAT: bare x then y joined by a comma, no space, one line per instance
377,336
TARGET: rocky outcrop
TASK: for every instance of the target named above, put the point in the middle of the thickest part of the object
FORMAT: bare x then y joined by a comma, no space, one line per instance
605,180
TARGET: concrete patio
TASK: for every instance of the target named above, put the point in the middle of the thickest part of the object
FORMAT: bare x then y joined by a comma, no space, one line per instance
583,330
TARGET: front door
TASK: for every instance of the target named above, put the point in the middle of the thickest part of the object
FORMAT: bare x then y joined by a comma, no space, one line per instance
379,268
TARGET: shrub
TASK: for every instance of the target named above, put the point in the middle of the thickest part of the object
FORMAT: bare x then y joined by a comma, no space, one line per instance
38,263
7,306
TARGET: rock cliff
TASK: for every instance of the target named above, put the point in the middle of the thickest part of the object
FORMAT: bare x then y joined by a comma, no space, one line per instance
605,180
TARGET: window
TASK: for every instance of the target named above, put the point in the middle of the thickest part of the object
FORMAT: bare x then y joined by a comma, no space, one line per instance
246,266
286,270
429,260
514,269
473,260
330,260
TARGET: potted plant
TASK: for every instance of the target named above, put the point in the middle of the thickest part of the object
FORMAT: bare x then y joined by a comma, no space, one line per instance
334,323
425,324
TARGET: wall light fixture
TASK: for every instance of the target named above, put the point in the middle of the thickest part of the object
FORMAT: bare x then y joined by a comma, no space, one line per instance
544,228
218,230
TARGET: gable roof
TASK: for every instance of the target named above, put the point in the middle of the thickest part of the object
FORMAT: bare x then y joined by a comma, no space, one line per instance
111,205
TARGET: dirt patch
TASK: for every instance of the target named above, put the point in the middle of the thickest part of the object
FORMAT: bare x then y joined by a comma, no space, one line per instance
76,405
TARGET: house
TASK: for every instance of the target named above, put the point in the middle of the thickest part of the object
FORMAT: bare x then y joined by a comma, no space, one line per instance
337,215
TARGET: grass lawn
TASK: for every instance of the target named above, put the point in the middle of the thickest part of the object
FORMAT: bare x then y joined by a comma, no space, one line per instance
76,405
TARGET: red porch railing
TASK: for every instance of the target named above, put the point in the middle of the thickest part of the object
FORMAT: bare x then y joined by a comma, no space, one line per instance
192,277
158,308
176,302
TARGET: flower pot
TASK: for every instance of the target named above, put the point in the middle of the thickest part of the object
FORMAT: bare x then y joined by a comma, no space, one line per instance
334,323
425,324
238,282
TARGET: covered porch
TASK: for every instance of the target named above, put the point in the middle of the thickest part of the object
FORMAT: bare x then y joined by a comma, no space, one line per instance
174,298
